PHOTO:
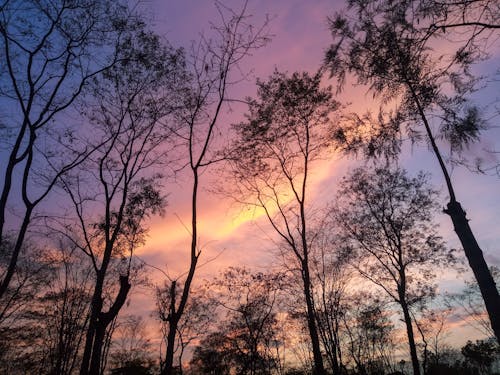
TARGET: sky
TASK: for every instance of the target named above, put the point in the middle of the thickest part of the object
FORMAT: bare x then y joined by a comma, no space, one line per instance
231,235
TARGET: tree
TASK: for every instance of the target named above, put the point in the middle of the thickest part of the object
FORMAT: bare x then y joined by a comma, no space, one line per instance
370,336
249,301
44,334
131,349
65,316
332,276
116,189
25,343
197,319
50,52
284,134
481,354
423,96
474,17
212,356
386,218
212,67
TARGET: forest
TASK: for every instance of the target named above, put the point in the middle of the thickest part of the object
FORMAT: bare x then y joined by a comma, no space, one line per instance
189,206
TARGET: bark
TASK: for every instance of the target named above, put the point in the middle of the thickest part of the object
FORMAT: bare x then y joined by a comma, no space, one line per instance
173,322
319,368
471,248
169,356
477,263
98,323
411,338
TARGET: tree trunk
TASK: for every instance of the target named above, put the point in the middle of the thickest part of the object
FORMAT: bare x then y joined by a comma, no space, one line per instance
411,337
319,368
168,369
471,248
98,323
477,263
96,306
95,363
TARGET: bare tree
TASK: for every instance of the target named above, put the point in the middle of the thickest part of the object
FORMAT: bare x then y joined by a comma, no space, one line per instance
44,330
273,156
68,297
196,321
423,96
25,317
116,189
469,306
214,65
50,51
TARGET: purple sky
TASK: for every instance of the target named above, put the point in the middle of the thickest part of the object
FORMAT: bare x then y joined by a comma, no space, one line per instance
300,38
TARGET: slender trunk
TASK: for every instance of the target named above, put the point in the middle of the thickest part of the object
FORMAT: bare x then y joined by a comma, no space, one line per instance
96,306
477,263
335,363
89,339
471,248
176,313
319,368
425,361
4,284
328,335
411,337
168,368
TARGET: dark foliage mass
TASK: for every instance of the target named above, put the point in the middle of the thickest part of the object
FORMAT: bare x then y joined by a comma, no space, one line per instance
100,114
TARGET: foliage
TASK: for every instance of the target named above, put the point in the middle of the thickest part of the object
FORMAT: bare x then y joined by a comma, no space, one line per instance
386,222
285,132
481,354
423,96
248,332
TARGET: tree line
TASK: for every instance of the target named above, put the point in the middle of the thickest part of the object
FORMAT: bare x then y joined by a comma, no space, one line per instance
100,112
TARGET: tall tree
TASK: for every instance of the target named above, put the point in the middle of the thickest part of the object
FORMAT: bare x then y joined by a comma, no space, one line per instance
423,96
285,133
116,189
49,52
386,218
214,65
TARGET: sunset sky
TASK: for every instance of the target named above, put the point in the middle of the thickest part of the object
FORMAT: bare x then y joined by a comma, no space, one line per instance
238,236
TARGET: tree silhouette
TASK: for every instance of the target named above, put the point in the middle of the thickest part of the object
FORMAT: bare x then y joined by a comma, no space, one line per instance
249,302
272,158
481,354
369,334
50,52
386,220
332,276
116,189
212,65
422,97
